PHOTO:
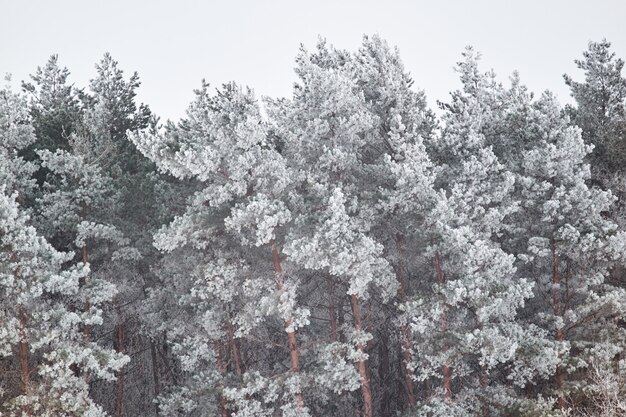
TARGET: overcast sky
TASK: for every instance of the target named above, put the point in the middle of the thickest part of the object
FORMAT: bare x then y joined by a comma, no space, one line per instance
175,44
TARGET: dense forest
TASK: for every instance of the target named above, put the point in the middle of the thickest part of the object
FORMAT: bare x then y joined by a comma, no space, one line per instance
346,251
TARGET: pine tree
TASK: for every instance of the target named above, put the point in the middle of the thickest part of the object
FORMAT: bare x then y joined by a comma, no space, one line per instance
16,135
571,249
465,321
102,141
601,105
222,143
55,105
44,330
41,327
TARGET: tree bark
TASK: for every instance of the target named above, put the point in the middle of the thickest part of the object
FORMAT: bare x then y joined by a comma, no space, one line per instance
406,331
86,308
234,349
23,353
558,311
155,375
384,377
483,380
121,348
366,390
23,349
446,371
222,370
332,311
292,341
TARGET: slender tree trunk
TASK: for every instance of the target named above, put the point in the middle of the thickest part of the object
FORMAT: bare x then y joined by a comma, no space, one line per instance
23,349
446,371
332,311
558,311
341,319
292,341
155,375
483,380
86,308
384,366
234,349
165,357
121,348
217,347
366,390
23,354
406,331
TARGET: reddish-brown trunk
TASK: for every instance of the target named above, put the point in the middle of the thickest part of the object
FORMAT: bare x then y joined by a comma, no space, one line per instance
406,331
23,348
121,348
23,353
384,376
155,375
447,382
292,341
366,390
222,370
559,335
234,349
407,358
87,305
483,380
86,308
341,319
332,311
446,371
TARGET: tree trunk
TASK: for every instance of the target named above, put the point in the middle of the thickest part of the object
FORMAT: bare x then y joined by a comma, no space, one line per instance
23,354
222,370
483,380
86,308
384,375
332,311
155,375
234,349
341,319
558,311
406,331
23,349
292,341
446,371
121,348
366,390
427,393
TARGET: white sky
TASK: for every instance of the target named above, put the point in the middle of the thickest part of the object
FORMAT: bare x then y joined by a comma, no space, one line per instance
173,45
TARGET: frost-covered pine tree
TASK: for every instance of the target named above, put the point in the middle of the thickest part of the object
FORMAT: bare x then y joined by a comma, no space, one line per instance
402,120
16,135
54,105
349,116
73,212
601,105
323,130
464,321
569,246
41,328
131,212
561,236
223,143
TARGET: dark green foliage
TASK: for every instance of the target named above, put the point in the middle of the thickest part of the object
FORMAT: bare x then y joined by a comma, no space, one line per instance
600,105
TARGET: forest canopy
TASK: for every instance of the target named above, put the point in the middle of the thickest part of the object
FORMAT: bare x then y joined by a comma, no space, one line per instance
345,251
